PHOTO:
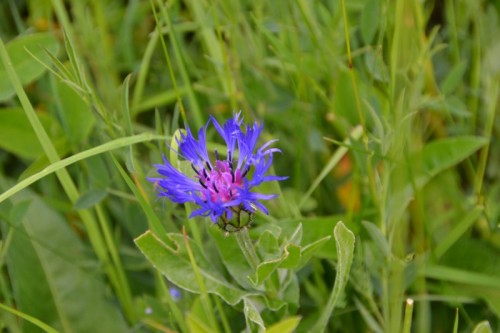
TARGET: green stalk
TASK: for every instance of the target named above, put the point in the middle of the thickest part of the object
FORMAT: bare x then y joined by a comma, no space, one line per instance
223,317
193,101
140,83
455,323
488,132
35,321
408,316
165,292
204,296
169,62
124,291
368,161
332,162
210,39
247,247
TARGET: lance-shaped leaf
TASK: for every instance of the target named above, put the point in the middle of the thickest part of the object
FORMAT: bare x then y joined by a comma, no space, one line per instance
174,264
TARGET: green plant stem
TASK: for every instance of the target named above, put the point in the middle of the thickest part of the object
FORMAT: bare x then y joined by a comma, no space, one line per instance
124,291
492,97
193,101
143,71
29,318
455,323
354,135
250,254
247,247
223,317
357,100
165,292
167,57
204,296
408,316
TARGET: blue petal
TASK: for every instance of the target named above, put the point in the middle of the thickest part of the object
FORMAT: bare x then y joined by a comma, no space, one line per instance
175,185
195,151
229,131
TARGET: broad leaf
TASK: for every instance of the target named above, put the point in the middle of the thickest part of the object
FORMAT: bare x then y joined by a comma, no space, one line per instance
434,158
90,198
232,257
174,264
17,135
28,69
54,279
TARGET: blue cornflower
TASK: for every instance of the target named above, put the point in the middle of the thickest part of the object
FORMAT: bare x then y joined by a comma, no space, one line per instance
222,188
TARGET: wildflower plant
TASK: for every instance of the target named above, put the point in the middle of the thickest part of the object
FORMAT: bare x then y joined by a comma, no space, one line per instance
223,189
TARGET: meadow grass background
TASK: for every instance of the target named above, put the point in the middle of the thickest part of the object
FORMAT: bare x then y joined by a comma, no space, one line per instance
385,113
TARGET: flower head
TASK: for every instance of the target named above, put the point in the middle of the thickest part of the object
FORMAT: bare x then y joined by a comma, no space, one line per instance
222,188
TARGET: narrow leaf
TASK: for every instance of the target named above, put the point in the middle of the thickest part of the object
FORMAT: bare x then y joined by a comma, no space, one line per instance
90,198
483,327
287,325
344,240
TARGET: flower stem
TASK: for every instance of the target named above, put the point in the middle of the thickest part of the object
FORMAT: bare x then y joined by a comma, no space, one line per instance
248,250
247,247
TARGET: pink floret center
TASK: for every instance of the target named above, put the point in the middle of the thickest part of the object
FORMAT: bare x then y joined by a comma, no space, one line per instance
221,182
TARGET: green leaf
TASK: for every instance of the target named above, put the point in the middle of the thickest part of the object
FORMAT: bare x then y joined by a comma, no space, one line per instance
483,327
289,255
198,318
76,115
252,314
369,20
459,229
308,251
454,78
434,158
174,264
287,325
19,211
153,220
54,167
55,280
29,318
344,240
455,324
232,257
313,230
442,154
90,198
289,258
490,295
461,276
196,325
27,68
378,238
17,135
